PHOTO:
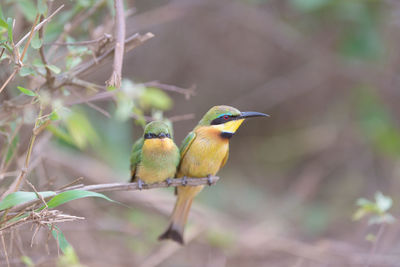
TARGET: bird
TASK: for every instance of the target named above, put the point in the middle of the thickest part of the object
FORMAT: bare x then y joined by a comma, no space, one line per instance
204,152
155,156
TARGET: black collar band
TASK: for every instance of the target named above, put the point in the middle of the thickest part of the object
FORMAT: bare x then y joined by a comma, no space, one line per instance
227,135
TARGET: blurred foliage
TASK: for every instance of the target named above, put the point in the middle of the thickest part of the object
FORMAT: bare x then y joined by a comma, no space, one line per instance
69,259
357,23
378,210
377,122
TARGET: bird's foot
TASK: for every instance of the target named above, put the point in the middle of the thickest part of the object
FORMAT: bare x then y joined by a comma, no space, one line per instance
209,180
184,181
140,183
169,181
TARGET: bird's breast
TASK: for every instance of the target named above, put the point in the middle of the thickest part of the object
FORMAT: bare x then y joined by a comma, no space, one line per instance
159,160
205,154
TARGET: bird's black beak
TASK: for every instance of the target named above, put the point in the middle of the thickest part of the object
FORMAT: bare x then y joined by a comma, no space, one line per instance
251,114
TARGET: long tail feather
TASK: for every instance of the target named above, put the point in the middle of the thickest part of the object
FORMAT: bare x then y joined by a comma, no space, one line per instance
179,218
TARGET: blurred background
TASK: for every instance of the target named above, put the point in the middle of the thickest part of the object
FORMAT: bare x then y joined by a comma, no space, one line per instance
326,72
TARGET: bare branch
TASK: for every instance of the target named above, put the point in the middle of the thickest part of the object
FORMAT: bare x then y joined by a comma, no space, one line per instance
82,43
115,79
134,186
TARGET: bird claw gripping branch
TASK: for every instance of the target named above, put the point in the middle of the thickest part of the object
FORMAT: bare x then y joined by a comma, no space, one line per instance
140,183
184,181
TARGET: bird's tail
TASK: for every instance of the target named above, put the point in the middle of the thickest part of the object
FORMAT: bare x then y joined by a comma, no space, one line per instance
180,213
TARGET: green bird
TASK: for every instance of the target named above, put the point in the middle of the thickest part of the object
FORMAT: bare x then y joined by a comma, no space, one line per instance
155,156
204,152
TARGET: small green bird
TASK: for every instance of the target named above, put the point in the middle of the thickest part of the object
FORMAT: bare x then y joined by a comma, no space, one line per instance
155,156
203,152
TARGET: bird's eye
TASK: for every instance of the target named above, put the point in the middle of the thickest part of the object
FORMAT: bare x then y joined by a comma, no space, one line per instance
226,117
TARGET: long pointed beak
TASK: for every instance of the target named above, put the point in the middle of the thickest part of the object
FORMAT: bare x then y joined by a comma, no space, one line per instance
250,114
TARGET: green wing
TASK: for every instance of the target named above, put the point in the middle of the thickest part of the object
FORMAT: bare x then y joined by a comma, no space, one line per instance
136,156
184,148
186,143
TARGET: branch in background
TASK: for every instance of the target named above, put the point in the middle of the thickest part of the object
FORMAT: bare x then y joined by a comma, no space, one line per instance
28,35
115,79
187,92
83,43
125,187
130,43
40,25
49,76
110,94
37,129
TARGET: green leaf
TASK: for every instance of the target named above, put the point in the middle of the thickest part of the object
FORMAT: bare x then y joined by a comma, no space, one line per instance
155,98
27,261
60,238
25,71
72,61
11,148
28,8
10,29
26,91
54,69
62,135
54,116
81,129
42,7
67,196
21,197
370,238
36,42
1,13
3,23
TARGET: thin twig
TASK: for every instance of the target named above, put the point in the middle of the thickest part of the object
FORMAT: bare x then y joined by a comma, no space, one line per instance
130,43
115,79
187,92
183,117
9,79
82,43
29,38
75,22
5,248
375,244
49,76
40,25
24,170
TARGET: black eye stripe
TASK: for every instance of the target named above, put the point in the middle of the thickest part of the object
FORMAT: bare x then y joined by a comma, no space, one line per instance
152,135
223,119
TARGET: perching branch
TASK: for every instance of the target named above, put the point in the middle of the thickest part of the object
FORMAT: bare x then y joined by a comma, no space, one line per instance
125,187
115,79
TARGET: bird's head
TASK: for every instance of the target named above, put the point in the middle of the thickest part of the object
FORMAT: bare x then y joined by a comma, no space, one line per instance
227,119
157,129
